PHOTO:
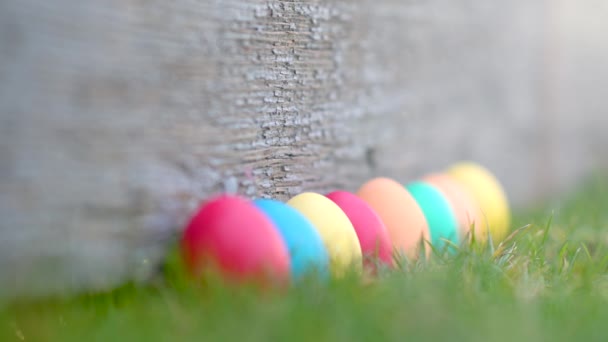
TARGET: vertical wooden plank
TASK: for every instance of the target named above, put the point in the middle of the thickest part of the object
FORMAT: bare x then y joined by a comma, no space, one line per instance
117,117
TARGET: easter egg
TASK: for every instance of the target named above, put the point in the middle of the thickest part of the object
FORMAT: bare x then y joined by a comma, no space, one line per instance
231,235
489,194
371,232
402,217
462,202
335,229
306,250
438,213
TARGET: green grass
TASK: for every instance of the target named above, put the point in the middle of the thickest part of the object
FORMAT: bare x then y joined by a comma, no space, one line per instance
548,282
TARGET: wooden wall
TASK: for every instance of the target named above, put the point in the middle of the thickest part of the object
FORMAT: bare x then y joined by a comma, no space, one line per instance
118,116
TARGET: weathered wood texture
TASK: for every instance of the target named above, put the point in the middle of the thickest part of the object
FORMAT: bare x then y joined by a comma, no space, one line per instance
117,117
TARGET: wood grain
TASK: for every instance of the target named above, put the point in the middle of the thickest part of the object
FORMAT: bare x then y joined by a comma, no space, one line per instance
118,117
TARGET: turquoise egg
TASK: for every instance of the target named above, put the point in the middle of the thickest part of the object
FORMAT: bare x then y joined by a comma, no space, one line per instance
306,249
438,212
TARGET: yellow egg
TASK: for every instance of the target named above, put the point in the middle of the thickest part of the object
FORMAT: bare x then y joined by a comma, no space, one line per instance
336,230
489,195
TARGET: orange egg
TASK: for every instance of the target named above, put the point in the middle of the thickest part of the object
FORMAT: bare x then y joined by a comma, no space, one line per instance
400,213
463,203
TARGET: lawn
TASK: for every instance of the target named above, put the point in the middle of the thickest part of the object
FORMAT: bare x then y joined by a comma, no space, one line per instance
547,282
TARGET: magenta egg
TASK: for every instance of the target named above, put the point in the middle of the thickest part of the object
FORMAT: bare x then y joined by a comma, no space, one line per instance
231,234
371,232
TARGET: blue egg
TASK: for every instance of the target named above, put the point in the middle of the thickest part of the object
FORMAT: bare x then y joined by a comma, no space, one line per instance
306,249
438,213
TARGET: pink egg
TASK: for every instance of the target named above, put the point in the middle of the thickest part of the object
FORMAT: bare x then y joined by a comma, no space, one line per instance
373,236
464,205
231,234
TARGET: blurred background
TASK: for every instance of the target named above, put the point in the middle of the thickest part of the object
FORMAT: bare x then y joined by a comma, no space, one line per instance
118,117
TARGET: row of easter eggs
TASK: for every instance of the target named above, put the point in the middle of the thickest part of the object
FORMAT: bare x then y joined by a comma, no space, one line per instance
340,231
